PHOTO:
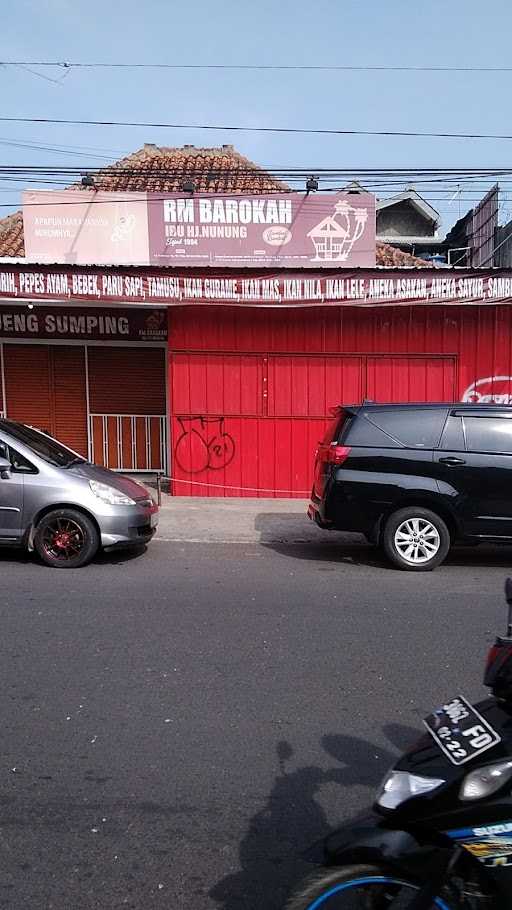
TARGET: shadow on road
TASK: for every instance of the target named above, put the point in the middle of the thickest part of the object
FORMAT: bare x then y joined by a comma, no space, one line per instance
20,556
116,557
337,551
340,551
293,819
16,555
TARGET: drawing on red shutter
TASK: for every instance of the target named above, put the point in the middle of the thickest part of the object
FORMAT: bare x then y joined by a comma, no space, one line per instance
203,444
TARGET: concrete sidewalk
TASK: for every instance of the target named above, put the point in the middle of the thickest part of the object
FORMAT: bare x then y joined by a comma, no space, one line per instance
219,520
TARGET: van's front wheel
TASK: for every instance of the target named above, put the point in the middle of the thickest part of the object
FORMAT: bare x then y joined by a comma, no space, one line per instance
416,539
66,539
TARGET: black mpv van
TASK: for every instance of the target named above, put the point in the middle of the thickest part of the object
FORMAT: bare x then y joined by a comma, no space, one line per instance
416,478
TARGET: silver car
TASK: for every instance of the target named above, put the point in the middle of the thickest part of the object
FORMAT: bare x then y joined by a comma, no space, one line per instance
57,503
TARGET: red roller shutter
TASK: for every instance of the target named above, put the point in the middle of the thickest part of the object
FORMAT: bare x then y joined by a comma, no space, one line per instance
126,380
27,384
45,387
69,396
127,401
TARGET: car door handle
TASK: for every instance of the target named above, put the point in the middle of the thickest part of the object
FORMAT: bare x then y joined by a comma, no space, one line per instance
451,461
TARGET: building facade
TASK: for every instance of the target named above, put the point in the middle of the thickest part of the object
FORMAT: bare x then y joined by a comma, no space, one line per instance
223,390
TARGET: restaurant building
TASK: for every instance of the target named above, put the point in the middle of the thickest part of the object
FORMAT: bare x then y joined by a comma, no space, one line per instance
223,377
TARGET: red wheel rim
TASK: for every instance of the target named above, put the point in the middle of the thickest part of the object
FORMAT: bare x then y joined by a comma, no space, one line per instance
63,539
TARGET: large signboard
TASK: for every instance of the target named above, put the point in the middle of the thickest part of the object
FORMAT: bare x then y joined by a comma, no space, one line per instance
83,227
249,287
86,324
289,230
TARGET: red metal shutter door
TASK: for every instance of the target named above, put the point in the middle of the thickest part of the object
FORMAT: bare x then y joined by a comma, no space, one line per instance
45,387
410,379
217,384
126,380
127,403
216,400
69,396
27,384
302,391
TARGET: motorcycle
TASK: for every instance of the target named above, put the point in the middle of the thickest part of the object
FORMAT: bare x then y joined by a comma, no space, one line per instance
440,832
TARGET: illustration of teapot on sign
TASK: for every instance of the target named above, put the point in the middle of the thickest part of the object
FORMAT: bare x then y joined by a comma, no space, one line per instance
203,444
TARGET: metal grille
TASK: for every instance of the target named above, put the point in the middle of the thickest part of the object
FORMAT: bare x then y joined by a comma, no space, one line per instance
128,442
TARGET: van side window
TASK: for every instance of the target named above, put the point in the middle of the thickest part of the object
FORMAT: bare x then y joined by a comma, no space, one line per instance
362,432
453,435
489,434
419,429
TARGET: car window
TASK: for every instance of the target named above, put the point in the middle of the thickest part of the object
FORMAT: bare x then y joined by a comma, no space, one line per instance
488,434
363,433
418,428
45,446
453,435
20,464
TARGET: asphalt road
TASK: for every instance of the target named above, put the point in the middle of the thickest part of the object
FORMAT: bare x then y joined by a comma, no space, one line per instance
177,727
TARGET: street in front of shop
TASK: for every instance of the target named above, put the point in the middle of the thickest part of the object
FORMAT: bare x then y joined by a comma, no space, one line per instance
178,726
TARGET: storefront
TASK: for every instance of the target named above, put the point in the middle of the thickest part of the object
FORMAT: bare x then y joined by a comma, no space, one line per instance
96,379
254,361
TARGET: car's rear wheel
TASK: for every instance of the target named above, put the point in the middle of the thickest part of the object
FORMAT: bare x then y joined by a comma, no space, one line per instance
416,539
66,539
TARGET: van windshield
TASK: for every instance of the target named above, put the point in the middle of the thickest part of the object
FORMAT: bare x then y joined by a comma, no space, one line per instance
45,446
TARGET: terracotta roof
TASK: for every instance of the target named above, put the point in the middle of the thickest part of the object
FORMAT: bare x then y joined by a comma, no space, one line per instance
160,169
11,235
391,256
163,170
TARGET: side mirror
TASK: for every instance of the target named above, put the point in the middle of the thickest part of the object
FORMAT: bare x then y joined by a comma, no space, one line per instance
5,468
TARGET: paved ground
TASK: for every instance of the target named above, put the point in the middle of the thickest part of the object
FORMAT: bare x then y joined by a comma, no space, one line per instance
220,520
178,726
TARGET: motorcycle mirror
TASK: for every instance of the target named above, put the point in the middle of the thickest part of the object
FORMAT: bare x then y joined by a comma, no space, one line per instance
508,596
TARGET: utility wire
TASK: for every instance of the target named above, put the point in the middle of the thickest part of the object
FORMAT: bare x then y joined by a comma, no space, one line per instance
362,68
254,129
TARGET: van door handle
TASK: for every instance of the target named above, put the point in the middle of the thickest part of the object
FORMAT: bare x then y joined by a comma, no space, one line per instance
451,461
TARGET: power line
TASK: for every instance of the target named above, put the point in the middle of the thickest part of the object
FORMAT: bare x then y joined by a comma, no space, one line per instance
64,150
162,195
66,65
161,168
444,182
254,129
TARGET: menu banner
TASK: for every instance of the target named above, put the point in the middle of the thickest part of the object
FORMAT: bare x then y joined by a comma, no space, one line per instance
248,287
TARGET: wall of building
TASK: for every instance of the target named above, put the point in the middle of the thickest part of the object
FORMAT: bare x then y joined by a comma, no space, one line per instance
251,390
402,220
503,246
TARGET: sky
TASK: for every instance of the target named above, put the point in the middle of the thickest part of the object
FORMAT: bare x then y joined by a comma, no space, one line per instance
335,32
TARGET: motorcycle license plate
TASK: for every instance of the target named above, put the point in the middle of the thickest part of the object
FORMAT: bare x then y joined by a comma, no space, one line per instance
460,731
